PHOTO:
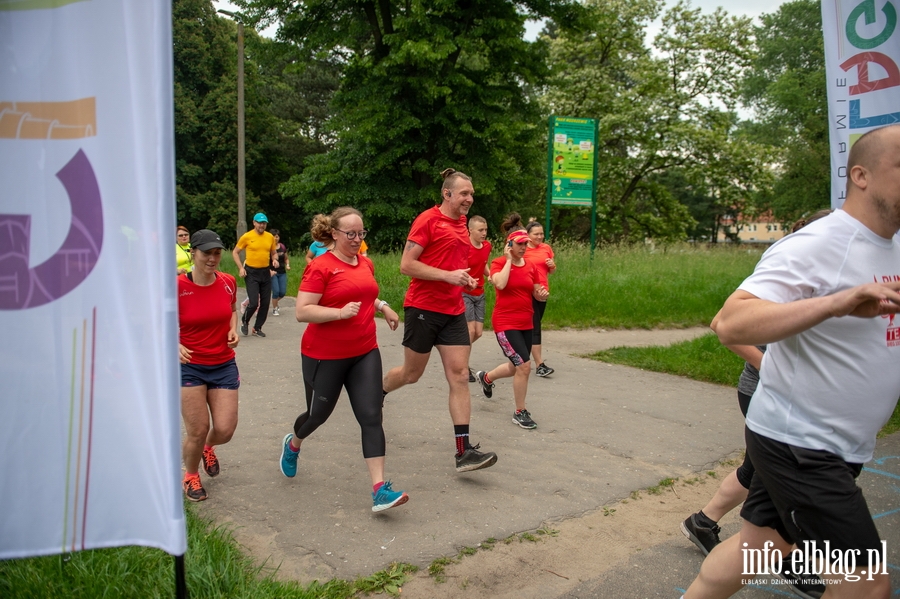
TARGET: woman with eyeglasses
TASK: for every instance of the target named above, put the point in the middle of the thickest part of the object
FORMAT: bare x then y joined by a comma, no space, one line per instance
183,260
338,297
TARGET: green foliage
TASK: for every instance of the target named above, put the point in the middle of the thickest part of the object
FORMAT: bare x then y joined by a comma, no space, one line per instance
279,133
786,87
425,86
704,359
658,110
215,566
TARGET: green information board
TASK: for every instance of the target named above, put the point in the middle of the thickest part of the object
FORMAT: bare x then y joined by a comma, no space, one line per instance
572,167
572,156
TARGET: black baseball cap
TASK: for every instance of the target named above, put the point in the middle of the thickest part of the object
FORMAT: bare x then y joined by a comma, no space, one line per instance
205,240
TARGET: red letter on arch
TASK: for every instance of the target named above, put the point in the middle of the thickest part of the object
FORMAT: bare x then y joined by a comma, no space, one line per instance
861,61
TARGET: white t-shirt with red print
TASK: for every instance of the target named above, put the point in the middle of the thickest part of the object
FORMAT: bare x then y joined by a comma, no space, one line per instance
831,387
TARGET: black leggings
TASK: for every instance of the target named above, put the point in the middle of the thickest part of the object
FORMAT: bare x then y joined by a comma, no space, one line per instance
361,376
539,308
259,292
745,471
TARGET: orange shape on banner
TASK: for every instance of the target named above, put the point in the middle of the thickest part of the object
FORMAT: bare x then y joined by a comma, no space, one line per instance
48,120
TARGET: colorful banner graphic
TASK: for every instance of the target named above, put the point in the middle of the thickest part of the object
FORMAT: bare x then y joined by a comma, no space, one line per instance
89,411
862,51
570,172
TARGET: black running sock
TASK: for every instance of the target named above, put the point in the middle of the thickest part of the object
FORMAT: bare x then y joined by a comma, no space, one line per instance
705,520
462,438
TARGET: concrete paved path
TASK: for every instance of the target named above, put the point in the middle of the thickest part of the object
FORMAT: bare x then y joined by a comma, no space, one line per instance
603,432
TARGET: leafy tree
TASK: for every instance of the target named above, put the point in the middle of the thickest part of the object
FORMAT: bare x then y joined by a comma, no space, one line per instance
660,108
424,86
205,78
786,87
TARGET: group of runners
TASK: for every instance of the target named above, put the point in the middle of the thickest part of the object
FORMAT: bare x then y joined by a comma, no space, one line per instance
446,257
822,301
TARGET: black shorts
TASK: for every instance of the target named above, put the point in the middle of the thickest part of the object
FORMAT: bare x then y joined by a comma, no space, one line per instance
219,376
423,329
516,345
808,495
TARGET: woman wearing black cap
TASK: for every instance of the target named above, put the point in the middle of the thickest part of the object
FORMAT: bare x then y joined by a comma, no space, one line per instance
207,319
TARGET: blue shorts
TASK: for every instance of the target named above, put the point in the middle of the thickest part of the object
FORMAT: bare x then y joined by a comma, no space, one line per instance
219,376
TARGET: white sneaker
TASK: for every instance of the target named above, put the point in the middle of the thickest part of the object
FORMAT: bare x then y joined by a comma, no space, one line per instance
275,312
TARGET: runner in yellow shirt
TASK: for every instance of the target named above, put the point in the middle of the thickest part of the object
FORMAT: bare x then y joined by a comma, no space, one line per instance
259,249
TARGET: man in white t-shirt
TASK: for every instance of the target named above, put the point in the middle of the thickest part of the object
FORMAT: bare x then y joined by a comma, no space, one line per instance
824,300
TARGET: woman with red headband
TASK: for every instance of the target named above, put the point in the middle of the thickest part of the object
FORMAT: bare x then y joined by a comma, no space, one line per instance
516,282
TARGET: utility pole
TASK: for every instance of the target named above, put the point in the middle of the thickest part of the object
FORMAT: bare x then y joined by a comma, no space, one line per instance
242,174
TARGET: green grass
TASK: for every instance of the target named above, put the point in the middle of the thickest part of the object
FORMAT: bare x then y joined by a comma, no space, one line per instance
704,359
215,567
639,287
623,287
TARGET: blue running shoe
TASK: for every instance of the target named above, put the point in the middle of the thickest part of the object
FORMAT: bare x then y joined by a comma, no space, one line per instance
387,498
288,457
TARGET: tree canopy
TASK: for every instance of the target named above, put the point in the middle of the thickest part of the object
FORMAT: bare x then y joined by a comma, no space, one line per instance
364,103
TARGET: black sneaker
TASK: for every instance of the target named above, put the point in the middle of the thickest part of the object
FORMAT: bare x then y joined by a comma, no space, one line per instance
486,388
245,328
704,537
472,378
472,459
524,420
544,370
258,333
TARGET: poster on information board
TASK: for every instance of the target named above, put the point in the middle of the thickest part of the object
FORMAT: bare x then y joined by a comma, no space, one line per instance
572,161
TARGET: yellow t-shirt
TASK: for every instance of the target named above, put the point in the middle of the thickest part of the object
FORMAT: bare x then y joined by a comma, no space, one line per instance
183,257
258,248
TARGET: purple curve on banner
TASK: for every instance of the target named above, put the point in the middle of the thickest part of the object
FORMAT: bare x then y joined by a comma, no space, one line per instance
21,287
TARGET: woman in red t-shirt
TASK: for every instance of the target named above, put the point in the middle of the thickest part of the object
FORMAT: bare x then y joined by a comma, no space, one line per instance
338,297
541,255
473,299
516,282
207,326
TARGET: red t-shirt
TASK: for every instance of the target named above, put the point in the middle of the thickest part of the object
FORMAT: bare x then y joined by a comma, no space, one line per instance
204,318
446,246
478,258
513,311
538,256
341,283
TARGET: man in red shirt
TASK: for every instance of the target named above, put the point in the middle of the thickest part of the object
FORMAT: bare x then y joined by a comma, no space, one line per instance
437,258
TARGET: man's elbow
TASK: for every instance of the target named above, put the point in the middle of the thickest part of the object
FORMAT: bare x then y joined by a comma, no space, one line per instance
728,334
406,267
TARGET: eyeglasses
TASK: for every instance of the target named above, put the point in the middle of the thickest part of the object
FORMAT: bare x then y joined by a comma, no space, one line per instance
351,235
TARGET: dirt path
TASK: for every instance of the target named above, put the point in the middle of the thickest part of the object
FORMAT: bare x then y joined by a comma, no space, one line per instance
578,549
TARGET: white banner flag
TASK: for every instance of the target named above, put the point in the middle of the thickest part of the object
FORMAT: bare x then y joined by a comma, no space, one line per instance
89,399
862,54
